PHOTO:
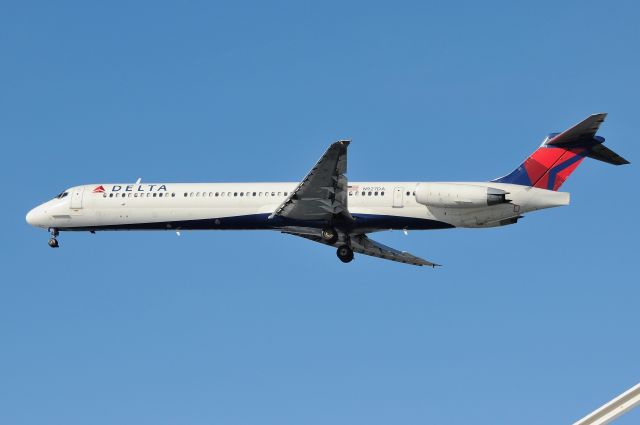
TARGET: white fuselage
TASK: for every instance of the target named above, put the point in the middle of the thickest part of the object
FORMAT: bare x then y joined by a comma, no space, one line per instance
374,206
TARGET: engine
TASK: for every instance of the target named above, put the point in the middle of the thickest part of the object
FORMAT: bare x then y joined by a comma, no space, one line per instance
454,195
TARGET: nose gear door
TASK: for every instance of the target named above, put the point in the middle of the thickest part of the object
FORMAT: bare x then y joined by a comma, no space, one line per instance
76,198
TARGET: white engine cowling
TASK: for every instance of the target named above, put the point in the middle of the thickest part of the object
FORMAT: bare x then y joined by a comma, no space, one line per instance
454,195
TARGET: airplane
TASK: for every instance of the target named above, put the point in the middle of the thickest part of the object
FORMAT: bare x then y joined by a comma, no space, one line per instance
325,207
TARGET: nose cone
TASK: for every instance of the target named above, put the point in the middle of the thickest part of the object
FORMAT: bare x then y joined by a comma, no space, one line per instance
34,217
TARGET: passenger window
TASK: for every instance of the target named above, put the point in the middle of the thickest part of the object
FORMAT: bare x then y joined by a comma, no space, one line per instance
185,194
254,194
369,194
228,193
259,193
381,193
241,193
173,194
375,193
408,193
135,195
350,194
160,194
364,193
286,194
111,195
235,193
273,194
155,194
279,193
129,195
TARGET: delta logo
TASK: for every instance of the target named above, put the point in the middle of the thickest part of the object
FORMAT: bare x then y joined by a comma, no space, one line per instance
98,189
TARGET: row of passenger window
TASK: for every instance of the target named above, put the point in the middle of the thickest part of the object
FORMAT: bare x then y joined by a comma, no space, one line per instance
220,194
356,193
231,194
192,194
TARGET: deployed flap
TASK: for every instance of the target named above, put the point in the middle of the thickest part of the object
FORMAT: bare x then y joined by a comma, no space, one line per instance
322,194
583,132
363,245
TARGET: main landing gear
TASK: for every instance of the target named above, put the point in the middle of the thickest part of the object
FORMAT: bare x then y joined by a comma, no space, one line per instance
345,253
53,242
330,236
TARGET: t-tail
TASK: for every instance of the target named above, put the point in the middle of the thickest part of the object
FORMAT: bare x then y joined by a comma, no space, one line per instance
561,153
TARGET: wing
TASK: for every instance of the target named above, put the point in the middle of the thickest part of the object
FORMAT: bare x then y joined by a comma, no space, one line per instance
363,245
322,194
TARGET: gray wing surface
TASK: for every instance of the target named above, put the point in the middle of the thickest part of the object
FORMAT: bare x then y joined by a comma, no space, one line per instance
363,245
323,193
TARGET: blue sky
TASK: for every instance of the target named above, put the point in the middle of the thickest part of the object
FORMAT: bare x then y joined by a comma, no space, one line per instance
529,324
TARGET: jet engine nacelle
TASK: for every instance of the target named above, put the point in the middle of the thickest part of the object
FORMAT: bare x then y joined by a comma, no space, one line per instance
453,195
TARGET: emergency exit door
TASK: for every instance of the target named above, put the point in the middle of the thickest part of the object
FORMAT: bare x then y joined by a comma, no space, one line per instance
398,197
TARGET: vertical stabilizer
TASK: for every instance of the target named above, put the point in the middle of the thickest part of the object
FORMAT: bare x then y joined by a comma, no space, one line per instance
561,153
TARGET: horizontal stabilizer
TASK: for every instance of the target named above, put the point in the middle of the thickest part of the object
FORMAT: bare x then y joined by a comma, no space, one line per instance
580,134
604,154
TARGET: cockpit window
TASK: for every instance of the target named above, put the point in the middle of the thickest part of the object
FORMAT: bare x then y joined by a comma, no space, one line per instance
62,195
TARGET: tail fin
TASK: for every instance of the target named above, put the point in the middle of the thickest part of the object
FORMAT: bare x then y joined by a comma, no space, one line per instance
561,153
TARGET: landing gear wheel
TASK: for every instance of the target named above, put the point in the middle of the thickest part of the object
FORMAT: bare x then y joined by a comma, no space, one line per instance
344,253
329,235
53,242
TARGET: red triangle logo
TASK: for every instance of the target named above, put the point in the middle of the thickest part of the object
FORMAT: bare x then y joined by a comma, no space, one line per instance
98,189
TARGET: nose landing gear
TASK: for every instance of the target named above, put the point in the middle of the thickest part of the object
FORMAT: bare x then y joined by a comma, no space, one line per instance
53,242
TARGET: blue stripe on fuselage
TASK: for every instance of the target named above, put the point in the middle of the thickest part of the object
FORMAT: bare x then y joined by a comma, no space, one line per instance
262,222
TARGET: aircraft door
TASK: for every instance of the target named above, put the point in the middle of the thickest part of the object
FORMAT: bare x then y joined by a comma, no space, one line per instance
76,198
398,197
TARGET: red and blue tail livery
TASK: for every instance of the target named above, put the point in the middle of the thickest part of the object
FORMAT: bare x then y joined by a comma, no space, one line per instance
560,154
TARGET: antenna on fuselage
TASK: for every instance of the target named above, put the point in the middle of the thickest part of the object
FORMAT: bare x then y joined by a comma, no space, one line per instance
139,180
